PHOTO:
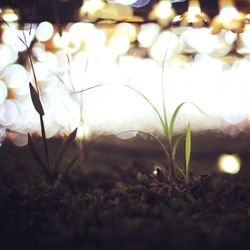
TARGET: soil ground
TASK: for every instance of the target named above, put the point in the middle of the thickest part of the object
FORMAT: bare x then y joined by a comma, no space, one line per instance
116,203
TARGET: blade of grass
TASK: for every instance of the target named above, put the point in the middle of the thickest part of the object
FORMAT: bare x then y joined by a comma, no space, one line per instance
176,112
188,151
153,107
181,171
64,149
163,91
175,146
84,90
172,122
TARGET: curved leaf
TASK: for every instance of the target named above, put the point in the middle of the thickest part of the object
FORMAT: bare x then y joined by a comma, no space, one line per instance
164,126
172,122
188,150
64,149
175,146
36,100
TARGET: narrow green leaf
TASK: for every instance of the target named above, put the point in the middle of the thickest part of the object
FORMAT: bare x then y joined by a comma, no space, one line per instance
175,146
180,170
176,112
164,126
84,90
36,100
172,122
64,149
188,150
36,155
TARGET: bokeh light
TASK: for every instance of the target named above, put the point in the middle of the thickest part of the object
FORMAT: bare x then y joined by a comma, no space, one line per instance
45,31
229,164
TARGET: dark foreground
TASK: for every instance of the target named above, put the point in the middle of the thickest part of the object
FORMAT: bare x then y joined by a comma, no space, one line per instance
145,215
111,206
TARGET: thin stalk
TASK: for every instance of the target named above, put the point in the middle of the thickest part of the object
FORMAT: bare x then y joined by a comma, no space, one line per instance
167,133
33,72
41,117
45,143
163,97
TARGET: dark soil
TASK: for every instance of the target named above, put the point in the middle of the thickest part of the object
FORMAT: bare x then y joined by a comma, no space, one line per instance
120,206
143,214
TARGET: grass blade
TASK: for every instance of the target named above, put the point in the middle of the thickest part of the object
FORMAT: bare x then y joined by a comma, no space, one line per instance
64,149
175,146
36,100
181,171
36,155
172,122
176,112
188,150
153,107
84,90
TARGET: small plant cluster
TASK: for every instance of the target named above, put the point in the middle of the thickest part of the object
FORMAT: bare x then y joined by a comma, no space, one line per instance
169,147
169,169
51,172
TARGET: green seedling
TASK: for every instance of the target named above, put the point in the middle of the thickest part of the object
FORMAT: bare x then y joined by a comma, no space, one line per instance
170,145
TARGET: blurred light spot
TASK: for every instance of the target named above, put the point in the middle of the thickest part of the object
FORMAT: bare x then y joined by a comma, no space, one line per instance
227,14
7,54
119,43
62,61
163,9
91,7
155,172
49,59
15,76
41,71
126,2
147,34
229,164
18,139
45,31
10,113
126,29
9,15
3,91
127,135
167,43
140,3
115,12
80,31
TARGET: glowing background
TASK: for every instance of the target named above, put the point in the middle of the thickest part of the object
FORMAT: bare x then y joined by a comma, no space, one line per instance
210,70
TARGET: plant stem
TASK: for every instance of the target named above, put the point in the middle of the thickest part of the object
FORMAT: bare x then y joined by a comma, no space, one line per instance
171,163
46,152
